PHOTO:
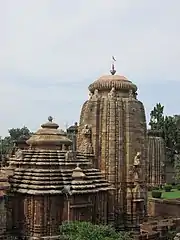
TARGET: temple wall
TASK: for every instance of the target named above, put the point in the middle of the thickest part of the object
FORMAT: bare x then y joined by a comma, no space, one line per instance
163,208
3,218
36,216
156,160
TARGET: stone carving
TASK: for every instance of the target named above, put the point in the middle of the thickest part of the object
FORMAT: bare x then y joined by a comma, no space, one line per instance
137,159
86,144
90,95
112,93
134,173
137,191
95,96
137,167
19,154
70,155
131,95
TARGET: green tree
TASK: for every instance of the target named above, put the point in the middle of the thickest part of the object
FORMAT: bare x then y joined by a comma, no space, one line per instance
15,134
169,126
88,231
19,133
157,117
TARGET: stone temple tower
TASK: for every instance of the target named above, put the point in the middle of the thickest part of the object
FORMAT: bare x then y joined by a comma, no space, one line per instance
113,127
156,158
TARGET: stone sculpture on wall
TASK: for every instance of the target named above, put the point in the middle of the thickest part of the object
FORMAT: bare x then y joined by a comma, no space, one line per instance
95,96
86,144
112,93
19,154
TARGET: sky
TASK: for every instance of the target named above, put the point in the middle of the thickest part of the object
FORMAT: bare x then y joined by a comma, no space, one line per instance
51,50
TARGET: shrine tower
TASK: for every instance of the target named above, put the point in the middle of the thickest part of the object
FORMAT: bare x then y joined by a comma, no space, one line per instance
113,127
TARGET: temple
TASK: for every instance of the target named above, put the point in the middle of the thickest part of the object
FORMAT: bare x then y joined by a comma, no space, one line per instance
113,127
50,184
99,170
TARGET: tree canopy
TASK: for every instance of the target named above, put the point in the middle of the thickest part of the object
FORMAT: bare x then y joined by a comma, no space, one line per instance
88,231
169,127
15,134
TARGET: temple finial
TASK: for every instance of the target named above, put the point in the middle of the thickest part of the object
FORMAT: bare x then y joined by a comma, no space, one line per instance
50,118
113,71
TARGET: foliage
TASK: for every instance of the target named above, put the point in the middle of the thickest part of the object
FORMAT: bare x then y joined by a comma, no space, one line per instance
19,133
156,194
15,134
169,126
155,188
178,186
167,188
88,231
157,117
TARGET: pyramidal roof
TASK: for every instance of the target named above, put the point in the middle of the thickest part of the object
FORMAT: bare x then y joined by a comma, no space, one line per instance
43,169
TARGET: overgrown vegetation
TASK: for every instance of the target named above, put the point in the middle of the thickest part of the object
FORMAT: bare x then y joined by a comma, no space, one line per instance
88,231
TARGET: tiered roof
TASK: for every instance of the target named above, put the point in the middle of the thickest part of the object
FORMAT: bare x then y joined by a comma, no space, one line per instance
44,169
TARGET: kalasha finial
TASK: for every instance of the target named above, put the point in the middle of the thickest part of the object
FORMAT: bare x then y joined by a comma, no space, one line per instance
113,71
50,118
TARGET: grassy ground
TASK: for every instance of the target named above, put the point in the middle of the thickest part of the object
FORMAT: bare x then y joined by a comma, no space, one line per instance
169,195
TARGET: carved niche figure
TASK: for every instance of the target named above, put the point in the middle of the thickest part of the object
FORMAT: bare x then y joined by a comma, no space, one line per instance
137,159
131,95
95,96
19,154
112,93
90,95
134,173
86,144
137,167
70,155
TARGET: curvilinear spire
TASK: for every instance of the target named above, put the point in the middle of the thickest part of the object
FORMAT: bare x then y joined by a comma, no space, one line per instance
115,122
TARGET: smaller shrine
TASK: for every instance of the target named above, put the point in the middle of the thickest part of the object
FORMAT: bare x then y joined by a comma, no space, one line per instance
51,184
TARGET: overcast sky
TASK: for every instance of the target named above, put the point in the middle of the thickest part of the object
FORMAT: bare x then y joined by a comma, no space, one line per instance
51,50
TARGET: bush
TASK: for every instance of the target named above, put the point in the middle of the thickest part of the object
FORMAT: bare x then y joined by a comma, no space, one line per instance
168,188
156,194
155,188
88,231
178,186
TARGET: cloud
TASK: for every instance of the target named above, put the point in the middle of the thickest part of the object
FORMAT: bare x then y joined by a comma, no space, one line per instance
51,50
